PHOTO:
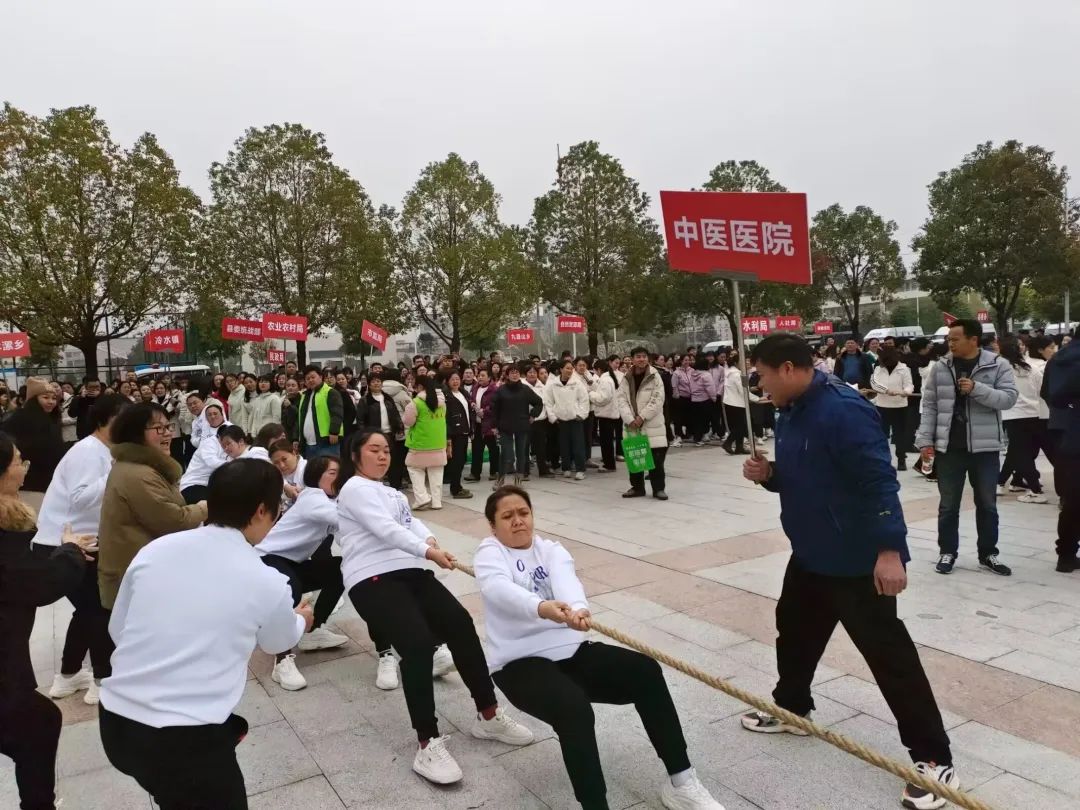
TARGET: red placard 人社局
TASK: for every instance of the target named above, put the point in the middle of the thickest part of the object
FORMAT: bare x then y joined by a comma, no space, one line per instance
789,323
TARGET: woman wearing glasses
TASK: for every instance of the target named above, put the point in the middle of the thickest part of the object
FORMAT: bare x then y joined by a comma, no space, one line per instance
142,501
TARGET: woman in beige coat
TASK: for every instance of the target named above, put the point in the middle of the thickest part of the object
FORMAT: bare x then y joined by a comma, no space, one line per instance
141,501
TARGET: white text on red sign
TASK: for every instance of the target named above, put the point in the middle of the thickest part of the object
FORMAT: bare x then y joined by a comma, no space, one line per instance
737,235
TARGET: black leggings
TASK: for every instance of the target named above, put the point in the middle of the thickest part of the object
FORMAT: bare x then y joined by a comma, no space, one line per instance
736,422
561,693
194,493
1024,436
322,575
88,630
455,465
609,440
413,612
182,767
894,421
29,735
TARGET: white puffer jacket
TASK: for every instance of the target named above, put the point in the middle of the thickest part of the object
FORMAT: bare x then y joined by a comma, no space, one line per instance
898,381
567,401
648,404
1028,383
604,395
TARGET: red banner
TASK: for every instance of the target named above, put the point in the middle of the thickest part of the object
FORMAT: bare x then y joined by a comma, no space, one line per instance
755,325
275,356
789,323
241,329
515,336
569,323
164,340
14,344
823,328
289,327
762,234
982,316
374,334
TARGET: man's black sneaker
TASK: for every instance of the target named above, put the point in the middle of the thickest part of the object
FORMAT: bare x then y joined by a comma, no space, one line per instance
634,493
915,798
945,563
1066,565
992,563
901,465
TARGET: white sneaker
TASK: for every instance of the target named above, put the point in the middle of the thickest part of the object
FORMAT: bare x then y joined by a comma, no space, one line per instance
64,685
1033,497
435,764
442,662
767,724
677,442
321,639
1014,488
503,728
916,798
93,694
580,476
286,674
1000,490
691,796
388,677
568,474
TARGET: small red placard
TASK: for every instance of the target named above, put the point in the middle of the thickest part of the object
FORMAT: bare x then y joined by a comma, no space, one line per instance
164,340
569,323
823,328
241,329
515,336
14,344
755,325
275,356
289,327
374,334
789,323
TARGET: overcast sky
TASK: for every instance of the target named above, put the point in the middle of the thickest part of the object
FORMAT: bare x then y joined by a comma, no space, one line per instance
852,102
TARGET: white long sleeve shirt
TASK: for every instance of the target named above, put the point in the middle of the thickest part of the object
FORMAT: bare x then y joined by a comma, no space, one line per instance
1028,401
207,458
75,492
897,380
513,583
200,429
191,608
377,531
301,530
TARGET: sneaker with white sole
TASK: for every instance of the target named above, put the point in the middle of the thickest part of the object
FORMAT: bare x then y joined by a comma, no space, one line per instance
1015,488
946,562
287,675
93,694
388,677
992,563
579,476
767,724
435,764
676,442
442,662
321,638
65,685
915,798
690,796
503,728
568,474
1033,497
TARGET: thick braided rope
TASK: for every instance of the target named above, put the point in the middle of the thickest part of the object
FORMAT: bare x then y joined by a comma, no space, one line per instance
904,772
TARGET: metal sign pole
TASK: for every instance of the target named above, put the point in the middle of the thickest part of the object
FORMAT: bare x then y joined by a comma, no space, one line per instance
741,341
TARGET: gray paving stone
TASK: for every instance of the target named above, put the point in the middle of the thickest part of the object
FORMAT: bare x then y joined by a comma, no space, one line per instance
105,789
80,750
704,634
366,768
256,706
271,756
315,792
1009,790
320,710
1040,668
633,606
1032,761
867,698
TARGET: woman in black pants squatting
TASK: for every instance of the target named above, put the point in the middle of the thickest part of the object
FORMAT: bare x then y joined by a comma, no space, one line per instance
403,602
536,618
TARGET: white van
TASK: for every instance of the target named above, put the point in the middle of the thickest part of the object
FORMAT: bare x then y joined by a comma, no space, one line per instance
942,334
894,332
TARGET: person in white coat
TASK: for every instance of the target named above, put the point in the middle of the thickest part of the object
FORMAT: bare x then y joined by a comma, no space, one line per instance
892,382
604,399
190,609
566,401
641,406
74,499
264,408
536,616
207,458
1022,425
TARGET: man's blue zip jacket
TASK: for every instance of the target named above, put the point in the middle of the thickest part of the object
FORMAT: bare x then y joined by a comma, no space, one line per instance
838,490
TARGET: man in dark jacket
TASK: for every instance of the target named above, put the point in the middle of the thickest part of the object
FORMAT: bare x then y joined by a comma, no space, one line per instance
841,511
852,366
513,408
79,409
916,359
1061,390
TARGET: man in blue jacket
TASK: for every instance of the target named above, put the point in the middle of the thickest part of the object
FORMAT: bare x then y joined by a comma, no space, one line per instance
841,511
1061,384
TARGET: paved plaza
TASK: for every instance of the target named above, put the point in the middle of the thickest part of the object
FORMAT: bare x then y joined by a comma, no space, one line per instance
697,576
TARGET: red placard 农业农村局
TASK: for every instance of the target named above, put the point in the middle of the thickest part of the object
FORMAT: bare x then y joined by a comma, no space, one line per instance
764,235
287,327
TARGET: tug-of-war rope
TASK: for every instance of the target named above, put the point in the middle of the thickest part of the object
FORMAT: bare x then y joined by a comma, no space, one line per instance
904,772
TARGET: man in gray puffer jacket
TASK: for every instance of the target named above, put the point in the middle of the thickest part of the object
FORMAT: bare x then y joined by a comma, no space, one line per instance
961,426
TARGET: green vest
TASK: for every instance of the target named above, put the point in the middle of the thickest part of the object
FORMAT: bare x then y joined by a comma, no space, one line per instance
322,414
429,432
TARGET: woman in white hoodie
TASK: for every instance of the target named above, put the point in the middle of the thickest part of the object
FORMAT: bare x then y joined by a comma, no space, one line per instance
265,407
536,617
383,549
566,401
892,382
603,395
1022,424
207,458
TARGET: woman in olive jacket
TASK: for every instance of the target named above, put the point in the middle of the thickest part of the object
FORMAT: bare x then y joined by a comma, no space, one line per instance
142,501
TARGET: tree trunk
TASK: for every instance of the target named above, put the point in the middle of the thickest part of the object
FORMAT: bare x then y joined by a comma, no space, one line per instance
301,354
88,346
855,320
594,340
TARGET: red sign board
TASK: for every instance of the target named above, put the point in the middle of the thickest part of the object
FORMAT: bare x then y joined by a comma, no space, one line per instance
164,340
373,334
569,323
759,233
755,325
289,327
14,344
275,356
241,329
949,319
514,336
982,316
823,328
789,323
